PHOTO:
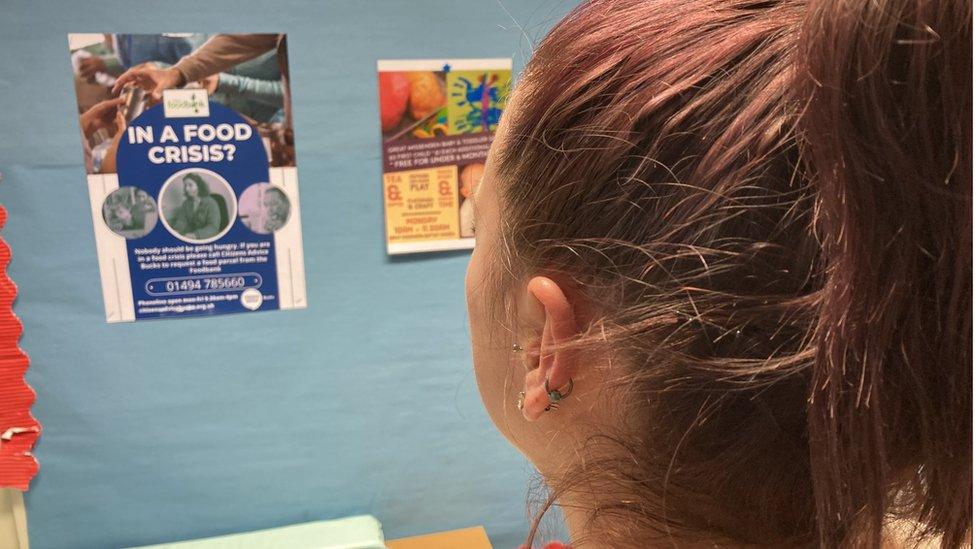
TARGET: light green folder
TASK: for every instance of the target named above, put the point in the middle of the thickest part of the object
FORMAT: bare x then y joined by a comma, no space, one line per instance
360,532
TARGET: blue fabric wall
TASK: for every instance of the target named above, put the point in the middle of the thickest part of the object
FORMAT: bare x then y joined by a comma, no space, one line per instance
363,403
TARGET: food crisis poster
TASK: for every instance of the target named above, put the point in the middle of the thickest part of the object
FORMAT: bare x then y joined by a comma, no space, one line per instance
189,149
438,118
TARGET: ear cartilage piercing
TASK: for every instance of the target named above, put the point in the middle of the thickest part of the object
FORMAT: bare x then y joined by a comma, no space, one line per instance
520,401
555,395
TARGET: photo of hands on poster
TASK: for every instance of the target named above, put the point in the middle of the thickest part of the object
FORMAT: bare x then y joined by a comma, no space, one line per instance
254,88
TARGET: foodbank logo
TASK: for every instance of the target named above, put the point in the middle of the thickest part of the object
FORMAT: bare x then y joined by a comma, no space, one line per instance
185,103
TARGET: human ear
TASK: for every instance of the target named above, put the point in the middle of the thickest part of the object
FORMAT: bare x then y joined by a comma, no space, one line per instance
550,312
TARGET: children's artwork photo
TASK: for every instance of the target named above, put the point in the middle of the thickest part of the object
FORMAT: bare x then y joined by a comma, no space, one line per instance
264,208
130,212
198,205
118,76
424,104
477,99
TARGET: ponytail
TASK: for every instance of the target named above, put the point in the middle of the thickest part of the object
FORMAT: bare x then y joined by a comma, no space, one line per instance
885,134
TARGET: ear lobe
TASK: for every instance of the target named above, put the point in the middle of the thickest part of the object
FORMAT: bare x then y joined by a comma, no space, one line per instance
556,364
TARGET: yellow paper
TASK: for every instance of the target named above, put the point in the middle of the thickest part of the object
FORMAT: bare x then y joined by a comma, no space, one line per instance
422,205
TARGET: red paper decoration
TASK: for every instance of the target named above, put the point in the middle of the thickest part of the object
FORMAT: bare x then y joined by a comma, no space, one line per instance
18,428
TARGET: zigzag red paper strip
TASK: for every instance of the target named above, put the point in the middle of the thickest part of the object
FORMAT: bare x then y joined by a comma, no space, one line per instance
18,428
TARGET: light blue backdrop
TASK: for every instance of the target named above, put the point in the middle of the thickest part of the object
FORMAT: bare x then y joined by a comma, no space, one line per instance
363,403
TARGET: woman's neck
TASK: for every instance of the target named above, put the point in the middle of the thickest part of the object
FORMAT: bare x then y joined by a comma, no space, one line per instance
619,530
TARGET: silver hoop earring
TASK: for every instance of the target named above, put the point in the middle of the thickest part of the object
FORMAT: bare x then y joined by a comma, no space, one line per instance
555,395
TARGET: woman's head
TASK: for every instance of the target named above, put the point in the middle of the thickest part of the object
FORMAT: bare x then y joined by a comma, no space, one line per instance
742,229
194,186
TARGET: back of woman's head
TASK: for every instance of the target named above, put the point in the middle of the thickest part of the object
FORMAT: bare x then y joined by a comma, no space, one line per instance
768,206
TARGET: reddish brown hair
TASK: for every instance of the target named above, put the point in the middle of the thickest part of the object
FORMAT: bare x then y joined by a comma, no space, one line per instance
767,205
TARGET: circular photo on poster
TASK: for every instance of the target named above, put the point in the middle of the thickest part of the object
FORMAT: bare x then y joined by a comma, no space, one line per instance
130,212
264,208
197,205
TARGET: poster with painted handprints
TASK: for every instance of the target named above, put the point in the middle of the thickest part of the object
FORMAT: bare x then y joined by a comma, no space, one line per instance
437,119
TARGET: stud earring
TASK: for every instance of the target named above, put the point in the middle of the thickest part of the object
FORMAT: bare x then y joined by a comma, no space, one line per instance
520,401
516,348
